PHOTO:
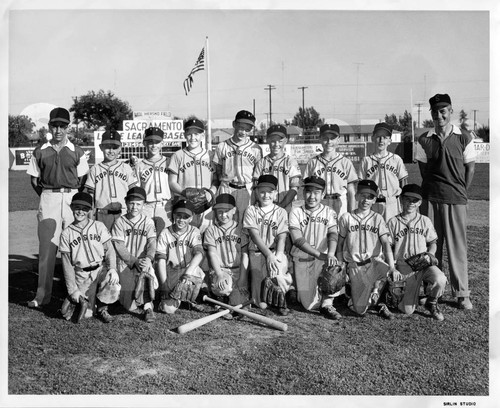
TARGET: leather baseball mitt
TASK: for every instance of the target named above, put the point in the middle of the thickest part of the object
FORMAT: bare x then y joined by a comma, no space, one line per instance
198,198
144,291
220,286
238,296
331,279
421,261
395,293
187,289
272,294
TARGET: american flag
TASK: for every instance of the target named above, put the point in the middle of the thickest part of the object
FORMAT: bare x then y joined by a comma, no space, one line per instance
198,66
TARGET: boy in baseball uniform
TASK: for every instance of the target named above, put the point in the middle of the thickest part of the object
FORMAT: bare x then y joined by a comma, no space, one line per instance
179,253
227,250
363,237
152,174
267,225
134,240
235,160
337,171
89,260
313,229
109,181
387,170
413,233
192,167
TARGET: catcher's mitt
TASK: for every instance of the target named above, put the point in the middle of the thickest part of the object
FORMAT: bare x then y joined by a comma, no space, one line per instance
144,291
198,198
187,289
222,286
238,296
272,294
422,261
331,279
395,293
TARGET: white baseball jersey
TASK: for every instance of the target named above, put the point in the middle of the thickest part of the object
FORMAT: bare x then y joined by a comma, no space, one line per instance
410,238
314,226
192,170
269,221
153,178
237,161
85,245
178,249
362,235
110,183
227,241
337,172
386,171
285,169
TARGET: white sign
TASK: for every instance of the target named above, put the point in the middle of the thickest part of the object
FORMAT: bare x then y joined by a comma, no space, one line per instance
303,152
152,115
482,152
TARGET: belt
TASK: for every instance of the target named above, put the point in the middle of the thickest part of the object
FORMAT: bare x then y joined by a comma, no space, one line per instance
334,196
60,190
307,259
380,200
237,186
104,211
364,262
158,202
89,268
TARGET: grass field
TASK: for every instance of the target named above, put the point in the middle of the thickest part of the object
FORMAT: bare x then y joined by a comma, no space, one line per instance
409,356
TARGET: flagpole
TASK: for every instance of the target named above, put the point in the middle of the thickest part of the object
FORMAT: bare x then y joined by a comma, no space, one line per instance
209,125
412,131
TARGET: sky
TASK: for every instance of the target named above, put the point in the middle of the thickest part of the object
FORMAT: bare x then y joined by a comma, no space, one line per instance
356,66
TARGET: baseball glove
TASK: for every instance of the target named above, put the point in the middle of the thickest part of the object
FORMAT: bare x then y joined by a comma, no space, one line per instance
331,279
68,308
144,291
422,261
187,289
272,294
222,286
395,293
198,198
238,296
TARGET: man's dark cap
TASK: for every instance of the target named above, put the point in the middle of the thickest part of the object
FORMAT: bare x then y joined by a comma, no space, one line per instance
412,190
136,192
330,128
383,127
111,137
439,100
59,115
84,199
279,130
194,124
314,182
245,117
367,186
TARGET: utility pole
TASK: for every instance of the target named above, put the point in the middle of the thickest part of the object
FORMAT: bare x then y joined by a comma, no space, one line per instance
358,120
474,110
254,116
418,113
303,109
270,88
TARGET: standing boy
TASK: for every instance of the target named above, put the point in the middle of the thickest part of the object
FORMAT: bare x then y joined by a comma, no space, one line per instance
153,177
89,260
110,180
179,252
313,229
134,239
363,236
337,171
267,225
387,170
413,233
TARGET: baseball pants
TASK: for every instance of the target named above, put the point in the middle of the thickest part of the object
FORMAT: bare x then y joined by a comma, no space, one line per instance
128,281
242,196
174,275
337,204
388,209
88,283
160,212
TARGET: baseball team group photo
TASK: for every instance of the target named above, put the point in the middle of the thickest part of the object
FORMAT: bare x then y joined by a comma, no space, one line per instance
159,254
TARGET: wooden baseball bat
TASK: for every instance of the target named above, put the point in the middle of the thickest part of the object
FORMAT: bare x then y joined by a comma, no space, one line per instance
254,316
206,319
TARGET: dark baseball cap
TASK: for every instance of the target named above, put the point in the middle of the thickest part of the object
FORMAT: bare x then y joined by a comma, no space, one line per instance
225,201
439,100
194,124
279,130
314,182
59,115
153,133
183,206
330,128
412,190
383,128
267,180
136,192
111,137
84,199
245,117
367,186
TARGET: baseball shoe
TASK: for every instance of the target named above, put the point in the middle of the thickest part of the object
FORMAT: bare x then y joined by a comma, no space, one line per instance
283,311
422,301
292,296
149,316
33,304
464,303
105,316
385,312
330,313
198,307
435,312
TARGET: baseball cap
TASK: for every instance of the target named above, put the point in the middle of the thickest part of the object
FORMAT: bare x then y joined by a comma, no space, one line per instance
314,182
194,124
367,186
439,100
330,128
412,190
111,137
108,292
153,133
136,192
245,117
267,180
183,206
225,202
383,128
279,130
84,199
59,115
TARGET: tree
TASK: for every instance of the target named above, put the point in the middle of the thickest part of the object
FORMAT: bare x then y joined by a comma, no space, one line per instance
401,123
20,130
428,123
101,110
308,119
484,133
463,120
